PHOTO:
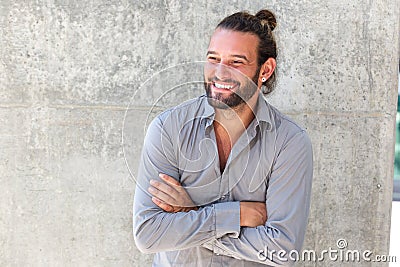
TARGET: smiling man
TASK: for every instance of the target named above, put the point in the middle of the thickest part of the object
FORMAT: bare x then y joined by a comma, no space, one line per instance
225,179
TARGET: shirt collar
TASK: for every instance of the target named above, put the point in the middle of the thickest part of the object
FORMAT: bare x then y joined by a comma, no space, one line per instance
263,112
209,111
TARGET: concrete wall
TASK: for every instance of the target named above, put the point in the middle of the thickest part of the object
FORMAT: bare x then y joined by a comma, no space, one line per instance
69,69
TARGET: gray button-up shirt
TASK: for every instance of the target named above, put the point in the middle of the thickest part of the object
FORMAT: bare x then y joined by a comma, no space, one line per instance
271,162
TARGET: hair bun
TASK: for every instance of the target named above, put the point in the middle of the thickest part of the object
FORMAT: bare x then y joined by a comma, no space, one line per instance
267,17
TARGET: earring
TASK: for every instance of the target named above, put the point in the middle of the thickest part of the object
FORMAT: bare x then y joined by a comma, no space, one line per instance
263,79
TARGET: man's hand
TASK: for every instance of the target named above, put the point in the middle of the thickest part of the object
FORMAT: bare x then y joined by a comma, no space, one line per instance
253,214
170,196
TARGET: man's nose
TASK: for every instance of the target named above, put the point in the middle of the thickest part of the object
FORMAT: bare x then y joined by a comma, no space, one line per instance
222,71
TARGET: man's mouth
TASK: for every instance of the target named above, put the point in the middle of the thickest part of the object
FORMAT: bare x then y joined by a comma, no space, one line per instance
223,86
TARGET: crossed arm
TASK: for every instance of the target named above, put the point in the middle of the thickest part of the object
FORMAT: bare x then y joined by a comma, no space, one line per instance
172,197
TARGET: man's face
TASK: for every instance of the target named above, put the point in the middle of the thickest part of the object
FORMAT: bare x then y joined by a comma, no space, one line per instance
231,71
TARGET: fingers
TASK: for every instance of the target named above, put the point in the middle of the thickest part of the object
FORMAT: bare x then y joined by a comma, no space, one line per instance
165,188
162,205
161,195
171,195
169,179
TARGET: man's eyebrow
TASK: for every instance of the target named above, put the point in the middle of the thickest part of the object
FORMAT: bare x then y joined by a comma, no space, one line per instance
239,56
211,52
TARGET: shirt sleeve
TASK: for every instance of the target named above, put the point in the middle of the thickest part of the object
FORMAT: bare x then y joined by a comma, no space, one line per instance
287,202
156,230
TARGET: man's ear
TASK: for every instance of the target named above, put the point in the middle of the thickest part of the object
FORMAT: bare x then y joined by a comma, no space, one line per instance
267,69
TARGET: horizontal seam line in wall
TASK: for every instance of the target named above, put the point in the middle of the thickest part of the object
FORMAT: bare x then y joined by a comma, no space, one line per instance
118,108
340,114
146,108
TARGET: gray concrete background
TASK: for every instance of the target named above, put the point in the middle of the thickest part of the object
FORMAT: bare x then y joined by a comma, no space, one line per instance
68,70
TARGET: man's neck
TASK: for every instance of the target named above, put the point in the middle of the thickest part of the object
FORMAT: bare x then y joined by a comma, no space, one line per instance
236,120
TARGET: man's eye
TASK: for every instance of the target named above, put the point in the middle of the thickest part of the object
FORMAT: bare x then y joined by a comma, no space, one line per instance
212,59
237,62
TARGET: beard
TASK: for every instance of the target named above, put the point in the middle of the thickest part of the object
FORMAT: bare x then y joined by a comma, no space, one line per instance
245,90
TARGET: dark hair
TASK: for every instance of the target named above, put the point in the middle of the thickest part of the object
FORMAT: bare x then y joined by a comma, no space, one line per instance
261,24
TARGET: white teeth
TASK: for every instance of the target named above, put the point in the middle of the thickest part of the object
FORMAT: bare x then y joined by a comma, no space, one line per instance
221,86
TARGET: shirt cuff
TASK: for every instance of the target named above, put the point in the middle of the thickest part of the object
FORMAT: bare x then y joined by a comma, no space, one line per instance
227,219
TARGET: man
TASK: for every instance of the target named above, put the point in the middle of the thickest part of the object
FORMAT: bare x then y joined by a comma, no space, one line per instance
225,179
